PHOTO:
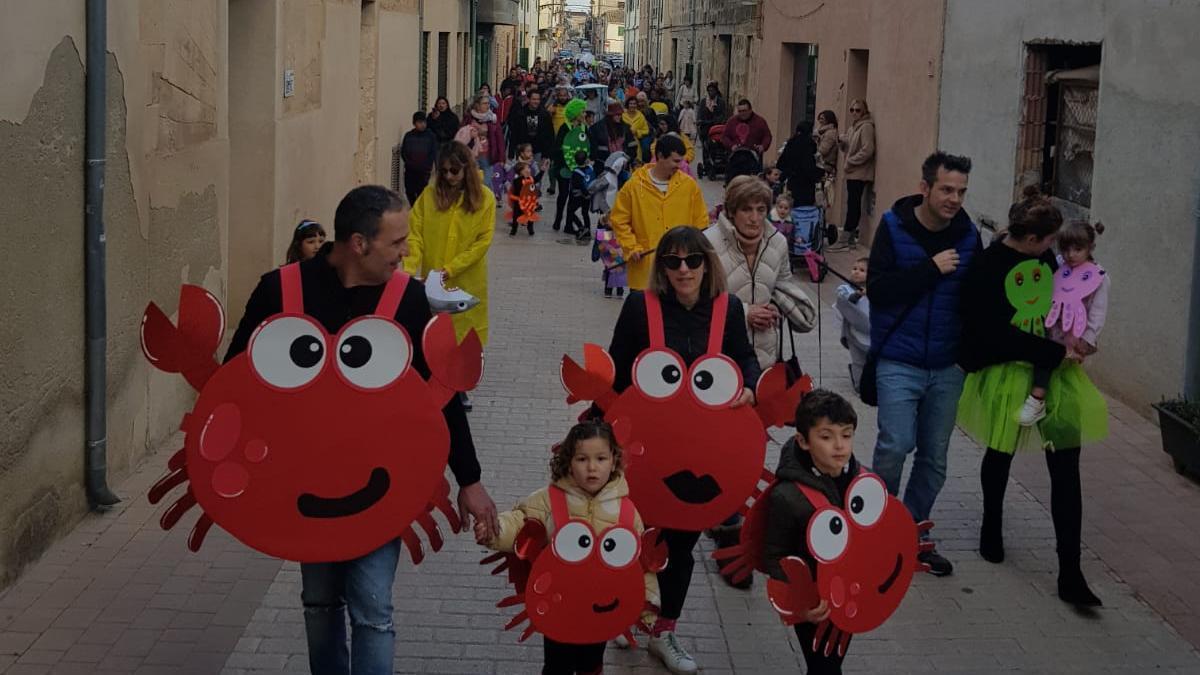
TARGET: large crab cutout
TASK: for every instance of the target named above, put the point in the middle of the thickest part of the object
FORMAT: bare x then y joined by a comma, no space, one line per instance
866,556
580,586
1073,285
312,490
692,460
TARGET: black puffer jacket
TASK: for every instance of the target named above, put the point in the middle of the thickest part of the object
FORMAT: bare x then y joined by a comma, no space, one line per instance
789,510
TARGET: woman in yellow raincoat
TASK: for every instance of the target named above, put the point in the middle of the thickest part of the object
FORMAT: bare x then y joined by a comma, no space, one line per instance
636,121
451,230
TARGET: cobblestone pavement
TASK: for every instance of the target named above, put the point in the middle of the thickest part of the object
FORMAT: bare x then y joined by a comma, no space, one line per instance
118,595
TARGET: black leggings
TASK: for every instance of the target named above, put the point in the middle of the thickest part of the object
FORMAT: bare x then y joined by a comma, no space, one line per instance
576,206
1066,498
560,658
854,199
816,663
560,204
673,582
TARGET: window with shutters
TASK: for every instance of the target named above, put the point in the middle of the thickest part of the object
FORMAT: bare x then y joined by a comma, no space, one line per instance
423,82
443,75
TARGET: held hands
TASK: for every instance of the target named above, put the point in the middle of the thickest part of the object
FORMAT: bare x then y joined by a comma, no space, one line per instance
481,533
946,261
762,317
474,502
746,398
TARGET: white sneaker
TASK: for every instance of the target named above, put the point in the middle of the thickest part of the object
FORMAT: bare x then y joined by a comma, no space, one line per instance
667,648
1032,412
621,642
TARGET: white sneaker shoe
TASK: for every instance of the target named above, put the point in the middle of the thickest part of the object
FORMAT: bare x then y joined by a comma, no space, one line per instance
1032,412
667,648
621,642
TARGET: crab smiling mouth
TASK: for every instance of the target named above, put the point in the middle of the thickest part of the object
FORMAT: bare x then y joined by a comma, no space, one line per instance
887,583
312,506
692,489
605,609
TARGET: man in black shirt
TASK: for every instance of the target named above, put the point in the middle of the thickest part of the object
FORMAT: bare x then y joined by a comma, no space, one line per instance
343,281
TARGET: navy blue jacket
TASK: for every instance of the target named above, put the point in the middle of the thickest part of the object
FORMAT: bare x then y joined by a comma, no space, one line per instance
902,272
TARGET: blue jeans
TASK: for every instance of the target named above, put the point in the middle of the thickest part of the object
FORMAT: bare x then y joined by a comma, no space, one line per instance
364,587
916,410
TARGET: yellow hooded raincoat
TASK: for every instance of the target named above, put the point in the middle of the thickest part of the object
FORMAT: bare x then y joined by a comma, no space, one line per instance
458,242
643,213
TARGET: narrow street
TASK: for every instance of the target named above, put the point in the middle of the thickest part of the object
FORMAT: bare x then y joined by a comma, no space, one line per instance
119,595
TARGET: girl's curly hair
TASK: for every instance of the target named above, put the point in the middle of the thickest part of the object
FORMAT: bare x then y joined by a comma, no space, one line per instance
560,461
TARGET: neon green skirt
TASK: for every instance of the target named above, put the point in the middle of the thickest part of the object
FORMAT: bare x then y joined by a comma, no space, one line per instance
990,405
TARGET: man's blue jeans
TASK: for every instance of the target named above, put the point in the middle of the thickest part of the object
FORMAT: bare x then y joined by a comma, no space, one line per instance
917,408
364,587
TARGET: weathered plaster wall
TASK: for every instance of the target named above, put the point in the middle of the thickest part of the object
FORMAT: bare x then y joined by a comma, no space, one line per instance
165,186
1147,178
396,99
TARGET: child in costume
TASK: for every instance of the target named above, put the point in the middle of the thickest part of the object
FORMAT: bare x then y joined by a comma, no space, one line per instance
587,468
1006,297
781,216
1078,310
855,311
308,238
819,456
687,121
607,251
571,139
580,198
524,198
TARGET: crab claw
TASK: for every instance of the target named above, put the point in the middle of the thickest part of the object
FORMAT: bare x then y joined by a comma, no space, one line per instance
188,348
530,540
654,551
776,400
592,381
795,596
456,367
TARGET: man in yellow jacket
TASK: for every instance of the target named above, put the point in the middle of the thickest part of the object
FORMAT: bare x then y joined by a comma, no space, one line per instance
656,198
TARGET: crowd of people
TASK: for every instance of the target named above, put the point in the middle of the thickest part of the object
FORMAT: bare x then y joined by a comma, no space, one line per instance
942,331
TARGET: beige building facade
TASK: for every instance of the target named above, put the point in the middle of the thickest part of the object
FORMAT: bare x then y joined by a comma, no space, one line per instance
227,122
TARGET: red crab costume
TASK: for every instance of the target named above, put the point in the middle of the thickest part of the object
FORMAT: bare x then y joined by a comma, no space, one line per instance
865,552
302,491
692,460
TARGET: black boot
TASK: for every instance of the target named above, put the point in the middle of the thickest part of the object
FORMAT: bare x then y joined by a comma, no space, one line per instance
1073,588
993,478
1066,508
530,226
513,232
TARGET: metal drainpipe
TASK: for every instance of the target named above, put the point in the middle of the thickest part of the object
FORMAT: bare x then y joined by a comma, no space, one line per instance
95,312
1191,378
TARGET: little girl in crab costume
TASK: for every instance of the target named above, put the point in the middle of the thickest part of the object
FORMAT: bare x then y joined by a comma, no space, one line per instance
586,470
1006,298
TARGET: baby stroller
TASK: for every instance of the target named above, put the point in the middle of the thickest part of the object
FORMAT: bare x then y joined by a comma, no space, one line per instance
716,157
742,162
808,235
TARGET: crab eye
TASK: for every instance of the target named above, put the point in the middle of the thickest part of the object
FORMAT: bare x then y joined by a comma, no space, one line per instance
716,381
372,352
658,374
573,542
866,500
619,547
828,535
288,352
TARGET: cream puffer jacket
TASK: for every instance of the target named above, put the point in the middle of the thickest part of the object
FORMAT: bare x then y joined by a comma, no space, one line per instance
771,280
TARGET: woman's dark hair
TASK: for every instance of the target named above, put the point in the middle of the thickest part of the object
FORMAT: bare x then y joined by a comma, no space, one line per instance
560,461
830,117
1034,215
689,240
1079,234
439,100
361,209
822,403
307,228
804,128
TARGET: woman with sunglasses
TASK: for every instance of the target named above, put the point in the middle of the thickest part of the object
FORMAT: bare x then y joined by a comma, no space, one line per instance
688,281
451,229
859,145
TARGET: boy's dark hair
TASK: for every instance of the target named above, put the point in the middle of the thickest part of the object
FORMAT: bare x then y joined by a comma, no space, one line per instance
668,145
563,452
361,209
745,102
822,403
418,116
943,160
581,156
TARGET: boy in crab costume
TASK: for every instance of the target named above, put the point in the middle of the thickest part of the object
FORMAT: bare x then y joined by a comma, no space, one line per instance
839,550
347,335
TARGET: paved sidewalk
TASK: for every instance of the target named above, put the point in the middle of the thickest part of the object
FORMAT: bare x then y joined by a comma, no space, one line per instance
118,595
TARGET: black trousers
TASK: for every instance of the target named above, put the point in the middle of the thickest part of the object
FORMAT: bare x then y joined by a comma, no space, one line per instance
854,199
414,185
565,659
674,581
575,206
560,203
1066,498
816,663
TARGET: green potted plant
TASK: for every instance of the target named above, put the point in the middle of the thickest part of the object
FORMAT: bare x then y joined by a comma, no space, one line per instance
1179,420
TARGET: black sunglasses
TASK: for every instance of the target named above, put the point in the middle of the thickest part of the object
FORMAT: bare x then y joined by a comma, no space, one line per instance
693,261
